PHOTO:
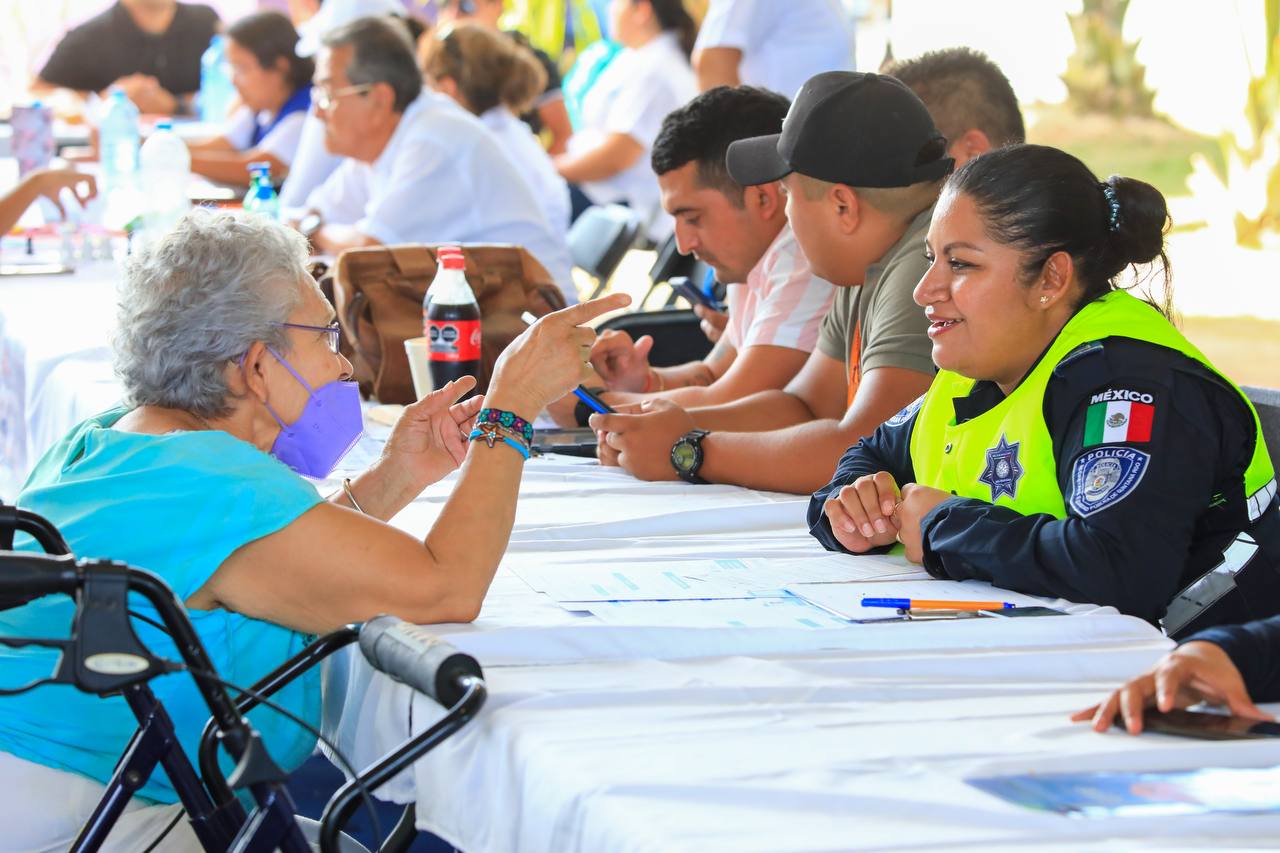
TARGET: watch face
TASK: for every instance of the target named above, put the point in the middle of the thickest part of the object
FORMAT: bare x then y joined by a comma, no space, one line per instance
683,456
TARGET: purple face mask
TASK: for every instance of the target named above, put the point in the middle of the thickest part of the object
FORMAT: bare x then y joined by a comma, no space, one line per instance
330,425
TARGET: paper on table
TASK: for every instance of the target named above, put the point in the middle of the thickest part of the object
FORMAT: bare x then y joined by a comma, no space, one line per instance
646,582
787,612
707,579
845,599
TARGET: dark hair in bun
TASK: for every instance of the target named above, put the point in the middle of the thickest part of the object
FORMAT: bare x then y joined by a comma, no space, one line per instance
1041,201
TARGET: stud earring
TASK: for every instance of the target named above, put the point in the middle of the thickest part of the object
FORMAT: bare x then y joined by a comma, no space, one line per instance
1044,299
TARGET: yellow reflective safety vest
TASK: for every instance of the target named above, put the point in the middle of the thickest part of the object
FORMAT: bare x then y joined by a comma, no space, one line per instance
1005,455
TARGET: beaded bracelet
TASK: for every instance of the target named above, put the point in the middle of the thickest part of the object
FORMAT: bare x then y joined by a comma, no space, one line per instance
509,420
491,436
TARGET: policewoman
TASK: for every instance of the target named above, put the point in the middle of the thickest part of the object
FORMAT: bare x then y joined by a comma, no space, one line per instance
1073,442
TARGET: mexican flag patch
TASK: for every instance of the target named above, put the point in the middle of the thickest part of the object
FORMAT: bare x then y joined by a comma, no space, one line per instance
1118,421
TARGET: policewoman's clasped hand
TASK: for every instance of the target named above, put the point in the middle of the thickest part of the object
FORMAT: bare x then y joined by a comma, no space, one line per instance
548,359
873,512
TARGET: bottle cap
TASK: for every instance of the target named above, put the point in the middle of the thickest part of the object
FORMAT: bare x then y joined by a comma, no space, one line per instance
164,124
452,262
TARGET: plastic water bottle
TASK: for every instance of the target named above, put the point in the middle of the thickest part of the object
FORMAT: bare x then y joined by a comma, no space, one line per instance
166,174
262,197
118,142
451,321
216,88
250,198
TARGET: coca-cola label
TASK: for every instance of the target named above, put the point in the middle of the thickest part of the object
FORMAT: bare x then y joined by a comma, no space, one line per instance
453,340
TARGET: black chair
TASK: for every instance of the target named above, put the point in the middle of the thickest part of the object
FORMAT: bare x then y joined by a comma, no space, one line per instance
677,335
599,240
102,630
670,264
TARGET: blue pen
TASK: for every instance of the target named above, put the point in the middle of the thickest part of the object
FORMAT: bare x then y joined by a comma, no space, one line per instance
593,402
934,604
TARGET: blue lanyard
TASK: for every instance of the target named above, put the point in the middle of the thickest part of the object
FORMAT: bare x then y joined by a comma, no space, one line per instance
299,101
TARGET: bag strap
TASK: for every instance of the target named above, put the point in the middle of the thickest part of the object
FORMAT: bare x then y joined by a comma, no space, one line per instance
356,307
413,261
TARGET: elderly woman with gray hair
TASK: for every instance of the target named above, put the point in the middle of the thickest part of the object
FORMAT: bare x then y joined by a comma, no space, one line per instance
233,386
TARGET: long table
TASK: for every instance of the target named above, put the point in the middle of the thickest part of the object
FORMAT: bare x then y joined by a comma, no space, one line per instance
603,737
55,332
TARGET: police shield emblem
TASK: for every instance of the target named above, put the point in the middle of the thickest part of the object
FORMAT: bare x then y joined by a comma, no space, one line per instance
1003,469
1104,477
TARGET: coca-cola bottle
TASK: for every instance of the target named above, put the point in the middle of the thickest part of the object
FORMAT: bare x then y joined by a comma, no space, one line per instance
451,321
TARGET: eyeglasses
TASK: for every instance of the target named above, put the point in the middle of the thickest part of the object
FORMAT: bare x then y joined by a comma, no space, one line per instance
324,99
333,330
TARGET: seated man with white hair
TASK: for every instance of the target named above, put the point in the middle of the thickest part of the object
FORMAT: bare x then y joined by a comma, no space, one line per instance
418,168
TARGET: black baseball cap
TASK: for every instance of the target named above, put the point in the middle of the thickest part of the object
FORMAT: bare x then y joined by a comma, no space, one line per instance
846,127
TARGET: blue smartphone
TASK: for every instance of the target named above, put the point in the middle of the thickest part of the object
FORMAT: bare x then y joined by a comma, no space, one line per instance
693,295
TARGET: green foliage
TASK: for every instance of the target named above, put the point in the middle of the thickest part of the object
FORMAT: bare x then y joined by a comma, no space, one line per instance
1248,182
1103,74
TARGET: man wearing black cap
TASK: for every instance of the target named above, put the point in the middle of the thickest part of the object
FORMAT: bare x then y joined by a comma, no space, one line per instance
861,162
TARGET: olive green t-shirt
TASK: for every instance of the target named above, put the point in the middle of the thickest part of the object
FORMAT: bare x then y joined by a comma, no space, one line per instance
877,324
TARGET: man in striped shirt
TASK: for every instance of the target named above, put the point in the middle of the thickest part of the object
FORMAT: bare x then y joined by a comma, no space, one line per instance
776,303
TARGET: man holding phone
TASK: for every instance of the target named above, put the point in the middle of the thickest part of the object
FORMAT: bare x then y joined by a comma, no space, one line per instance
776,303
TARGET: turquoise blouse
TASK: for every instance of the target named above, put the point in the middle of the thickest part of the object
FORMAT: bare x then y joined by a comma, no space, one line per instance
177,505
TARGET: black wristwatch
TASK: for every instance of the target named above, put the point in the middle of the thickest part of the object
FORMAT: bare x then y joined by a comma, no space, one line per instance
686,456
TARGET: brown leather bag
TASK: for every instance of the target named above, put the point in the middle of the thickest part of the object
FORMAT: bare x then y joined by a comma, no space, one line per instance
378,295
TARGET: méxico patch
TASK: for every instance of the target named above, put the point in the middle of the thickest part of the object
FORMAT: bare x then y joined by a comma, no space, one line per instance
1118,416
1104,477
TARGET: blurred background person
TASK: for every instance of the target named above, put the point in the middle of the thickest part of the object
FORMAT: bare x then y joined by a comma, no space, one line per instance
417,167
274,85
44,183
546,115
493,77
770,44
623,111
149,48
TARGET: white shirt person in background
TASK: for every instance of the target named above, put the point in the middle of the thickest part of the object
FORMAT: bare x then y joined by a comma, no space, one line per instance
772,44
418,168
274,85
608,154
313,163
493,77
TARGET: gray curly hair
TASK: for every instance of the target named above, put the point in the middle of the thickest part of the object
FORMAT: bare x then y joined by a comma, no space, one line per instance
198,299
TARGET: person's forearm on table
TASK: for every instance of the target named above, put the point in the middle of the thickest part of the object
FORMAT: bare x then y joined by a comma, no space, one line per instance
767,410
799,459
381,491
616,153
15,203
232,167
333,239
470,535
667,382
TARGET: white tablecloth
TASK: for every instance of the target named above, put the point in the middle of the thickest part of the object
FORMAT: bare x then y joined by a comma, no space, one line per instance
54,361
600,737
